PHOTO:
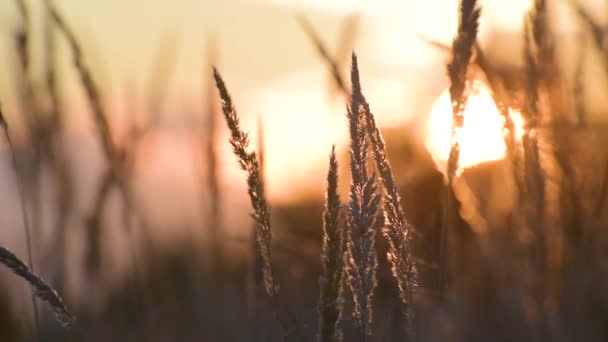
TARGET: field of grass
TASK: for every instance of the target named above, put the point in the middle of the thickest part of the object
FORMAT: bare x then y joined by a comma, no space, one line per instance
408,243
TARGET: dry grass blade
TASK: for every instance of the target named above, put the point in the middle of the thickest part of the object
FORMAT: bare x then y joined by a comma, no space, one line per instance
51,68
330,307
580,106
58,157
162,71
348,34
530,111
248,161
334,68
503,101
88,84
542,47
532,206
41,289
23,37
94,223
462,49
535,51
26,92
212,182
396,229
363,209
120,160
597,31
24,216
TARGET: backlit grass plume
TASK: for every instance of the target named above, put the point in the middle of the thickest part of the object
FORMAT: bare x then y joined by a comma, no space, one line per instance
364,203
537,48
248,161
462,49
396,229
41,289
332,258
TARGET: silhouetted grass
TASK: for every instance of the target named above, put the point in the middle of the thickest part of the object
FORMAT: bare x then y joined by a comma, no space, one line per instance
364,204
41,289
248,161
332,258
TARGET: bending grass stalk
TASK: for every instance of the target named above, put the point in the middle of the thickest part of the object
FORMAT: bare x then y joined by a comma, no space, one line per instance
334,68
120,160
117,158
330,299
24,217
248,161
41,289
89,86
362,260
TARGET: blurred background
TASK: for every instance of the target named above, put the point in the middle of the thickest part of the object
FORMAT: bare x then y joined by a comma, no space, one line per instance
165,253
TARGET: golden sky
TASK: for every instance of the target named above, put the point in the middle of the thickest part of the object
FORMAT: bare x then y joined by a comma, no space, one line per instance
268,62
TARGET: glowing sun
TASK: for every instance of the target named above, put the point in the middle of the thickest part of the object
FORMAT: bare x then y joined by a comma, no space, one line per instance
481,138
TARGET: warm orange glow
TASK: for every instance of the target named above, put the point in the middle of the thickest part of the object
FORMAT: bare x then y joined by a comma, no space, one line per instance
300,126
481,137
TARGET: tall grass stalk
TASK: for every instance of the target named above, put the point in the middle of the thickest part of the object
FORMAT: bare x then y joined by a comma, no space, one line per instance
580,105
539,64
334,67
332,258
396,228
22,46
88,84
248,161
212,184
534,40
598,32
120,161
113,157
58,157
362,260
462,49
41,289
161,73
